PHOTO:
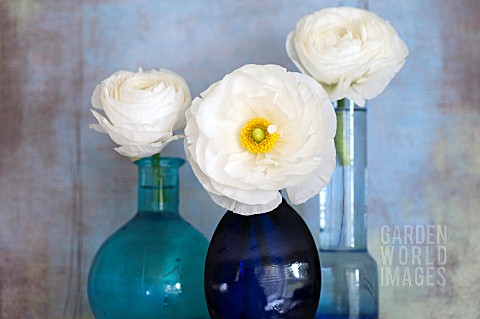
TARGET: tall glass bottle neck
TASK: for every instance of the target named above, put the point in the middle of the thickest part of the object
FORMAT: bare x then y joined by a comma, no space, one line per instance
361,4
343,202
158,184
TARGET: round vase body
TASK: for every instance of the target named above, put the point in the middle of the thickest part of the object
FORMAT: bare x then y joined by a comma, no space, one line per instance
262,266
152,267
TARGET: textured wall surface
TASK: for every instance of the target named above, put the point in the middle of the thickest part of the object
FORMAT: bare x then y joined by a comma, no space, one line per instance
63,189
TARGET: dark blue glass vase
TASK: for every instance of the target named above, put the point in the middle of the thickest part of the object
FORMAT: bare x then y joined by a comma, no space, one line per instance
350,275
152,267
262,266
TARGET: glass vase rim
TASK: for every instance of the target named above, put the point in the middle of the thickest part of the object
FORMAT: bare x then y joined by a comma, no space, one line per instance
350,106
157,161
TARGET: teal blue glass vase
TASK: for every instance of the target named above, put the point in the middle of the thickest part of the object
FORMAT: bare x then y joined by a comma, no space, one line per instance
152,267
350,275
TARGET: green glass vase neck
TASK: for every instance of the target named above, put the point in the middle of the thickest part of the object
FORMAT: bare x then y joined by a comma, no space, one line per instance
158,184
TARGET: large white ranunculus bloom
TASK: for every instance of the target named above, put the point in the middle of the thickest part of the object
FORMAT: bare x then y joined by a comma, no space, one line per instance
142,110
257,131
353,53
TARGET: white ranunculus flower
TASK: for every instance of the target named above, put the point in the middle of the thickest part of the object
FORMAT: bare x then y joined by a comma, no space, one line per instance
353,53
142,110
257,131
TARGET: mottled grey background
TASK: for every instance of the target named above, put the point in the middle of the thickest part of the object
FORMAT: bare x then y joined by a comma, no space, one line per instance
63,190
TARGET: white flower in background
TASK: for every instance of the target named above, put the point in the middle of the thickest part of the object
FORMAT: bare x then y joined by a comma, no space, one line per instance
257,131
353,53
142,110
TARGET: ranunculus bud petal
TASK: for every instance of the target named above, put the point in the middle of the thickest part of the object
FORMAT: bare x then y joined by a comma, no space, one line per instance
137,151
142,110
351,52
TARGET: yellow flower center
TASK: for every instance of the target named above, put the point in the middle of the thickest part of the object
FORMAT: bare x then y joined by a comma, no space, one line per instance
257,137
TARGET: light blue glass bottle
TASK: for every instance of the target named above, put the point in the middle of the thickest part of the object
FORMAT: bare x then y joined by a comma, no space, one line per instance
349,273
153,266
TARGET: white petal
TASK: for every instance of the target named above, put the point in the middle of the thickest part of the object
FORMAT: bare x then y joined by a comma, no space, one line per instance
244,209
246,196
144,150
98,128
376,83
259,201
119,112
96,99
292,52
317,181
127,136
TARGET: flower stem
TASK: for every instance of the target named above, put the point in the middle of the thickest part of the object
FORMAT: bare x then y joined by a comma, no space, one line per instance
341,143
160,194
